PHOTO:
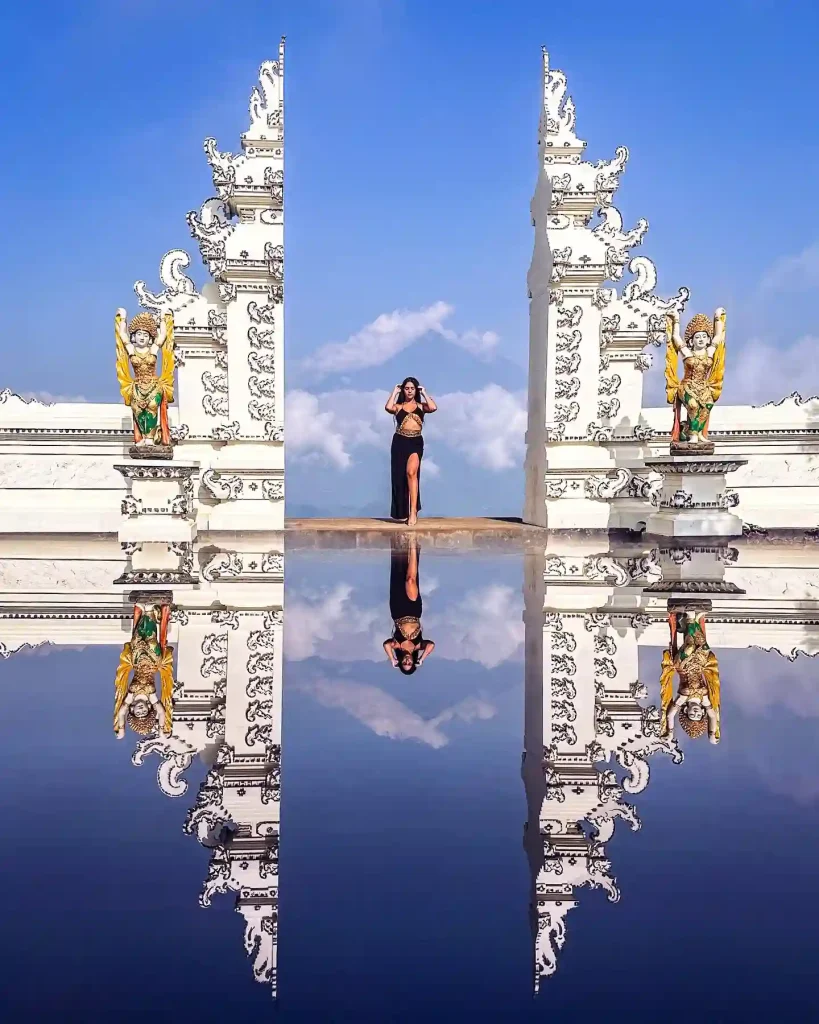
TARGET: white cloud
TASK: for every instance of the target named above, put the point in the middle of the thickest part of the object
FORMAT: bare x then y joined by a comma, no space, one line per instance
479,343
40,397
391,333
793,273
758,372
386,716
487,427
324,427
762,372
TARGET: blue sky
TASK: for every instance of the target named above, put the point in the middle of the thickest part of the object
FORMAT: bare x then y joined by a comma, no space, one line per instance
411,130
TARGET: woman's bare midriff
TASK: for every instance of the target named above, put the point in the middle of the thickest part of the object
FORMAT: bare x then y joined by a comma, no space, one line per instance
411,425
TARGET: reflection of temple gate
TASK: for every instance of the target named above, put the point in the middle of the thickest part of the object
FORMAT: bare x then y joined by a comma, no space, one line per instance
592,724
226,701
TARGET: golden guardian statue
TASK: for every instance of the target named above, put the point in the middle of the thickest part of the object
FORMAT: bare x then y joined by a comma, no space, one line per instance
146,391
703,356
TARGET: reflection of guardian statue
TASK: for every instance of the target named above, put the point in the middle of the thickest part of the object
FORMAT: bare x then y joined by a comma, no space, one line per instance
697,704
703,353
147,393
406,648
145,654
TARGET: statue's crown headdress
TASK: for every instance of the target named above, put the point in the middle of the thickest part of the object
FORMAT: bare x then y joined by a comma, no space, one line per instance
143,322
694,729
143,726
700,322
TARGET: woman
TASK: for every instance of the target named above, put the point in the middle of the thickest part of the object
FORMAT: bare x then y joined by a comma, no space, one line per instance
409,403
406,649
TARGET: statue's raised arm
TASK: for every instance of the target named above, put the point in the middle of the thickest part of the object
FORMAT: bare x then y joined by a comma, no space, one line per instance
673,320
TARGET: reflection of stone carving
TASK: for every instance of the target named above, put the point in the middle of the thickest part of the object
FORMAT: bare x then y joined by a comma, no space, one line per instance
144,656
697,704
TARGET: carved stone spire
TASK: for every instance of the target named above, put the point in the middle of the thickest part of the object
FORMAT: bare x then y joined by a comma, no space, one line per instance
586,339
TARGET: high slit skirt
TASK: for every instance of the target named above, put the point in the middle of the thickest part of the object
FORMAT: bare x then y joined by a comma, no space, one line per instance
402,448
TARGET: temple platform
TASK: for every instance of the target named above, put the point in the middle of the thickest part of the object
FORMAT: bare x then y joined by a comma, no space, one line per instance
456,532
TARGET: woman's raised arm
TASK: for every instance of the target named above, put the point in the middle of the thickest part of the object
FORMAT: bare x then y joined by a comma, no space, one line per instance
426,401
392,404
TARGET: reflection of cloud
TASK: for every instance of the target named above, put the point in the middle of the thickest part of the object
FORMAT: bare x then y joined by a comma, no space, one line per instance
769,712
767,680
41,649
387,716
330,625
484,626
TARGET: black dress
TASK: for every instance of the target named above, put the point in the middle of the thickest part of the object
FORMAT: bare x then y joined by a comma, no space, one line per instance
404,445
405,611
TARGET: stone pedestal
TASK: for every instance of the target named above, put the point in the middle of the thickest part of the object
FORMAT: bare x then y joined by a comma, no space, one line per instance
159,523
694,501
689,567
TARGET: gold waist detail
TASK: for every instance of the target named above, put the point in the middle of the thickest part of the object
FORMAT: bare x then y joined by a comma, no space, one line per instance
408,620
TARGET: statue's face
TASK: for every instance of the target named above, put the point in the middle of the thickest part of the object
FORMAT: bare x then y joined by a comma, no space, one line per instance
700,341
141,339
140,708
694,711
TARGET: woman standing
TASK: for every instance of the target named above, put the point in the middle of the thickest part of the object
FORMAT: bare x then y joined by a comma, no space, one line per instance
409,403
406,648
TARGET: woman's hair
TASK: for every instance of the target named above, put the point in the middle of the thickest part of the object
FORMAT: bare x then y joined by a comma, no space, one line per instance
410,380
409,669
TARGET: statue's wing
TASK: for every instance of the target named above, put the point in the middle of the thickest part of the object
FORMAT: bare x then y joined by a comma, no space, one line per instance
717,371
168,360
711,673
672,381
126,663
126,381
666,689
166,679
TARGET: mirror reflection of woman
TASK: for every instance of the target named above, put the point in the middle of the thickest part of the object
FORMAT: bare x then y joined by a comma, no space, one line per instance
408,403
407,649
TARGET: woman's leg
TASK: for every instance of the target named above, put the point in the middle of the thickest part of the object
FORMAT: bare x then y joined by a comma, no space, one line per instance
413,463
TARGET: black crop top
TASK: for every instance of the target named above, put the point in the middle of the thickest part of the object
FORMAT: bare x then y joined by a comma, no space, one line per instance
402,414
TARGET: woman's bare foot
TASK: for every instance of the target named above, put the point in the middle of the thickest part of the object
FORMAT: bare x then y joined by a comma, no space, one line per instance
412,521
